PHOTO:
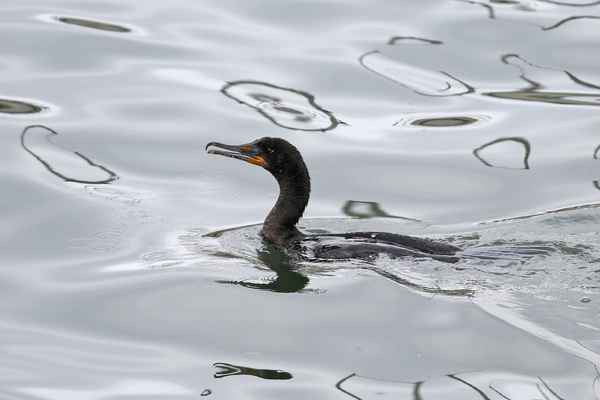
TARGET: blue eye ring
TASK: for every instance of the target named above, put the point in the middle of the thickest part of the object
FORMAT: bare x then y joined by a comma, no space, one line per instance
254,151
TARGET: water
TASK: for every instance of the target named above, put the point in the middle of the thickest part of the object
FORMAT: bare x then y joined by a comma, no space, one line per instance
131,262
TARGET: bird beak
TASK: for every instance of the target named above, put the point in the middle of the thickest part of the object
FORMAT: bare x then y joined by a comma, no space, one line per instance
242,152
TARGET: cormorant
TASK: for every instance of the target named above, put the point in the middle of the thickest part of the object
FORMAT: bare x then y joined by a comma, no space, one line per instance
285,163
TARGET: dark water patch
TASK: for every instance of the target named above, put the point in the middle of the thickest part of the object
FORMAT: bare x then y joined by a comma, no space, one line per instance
285,107
421,80
86,23
20,107
50,154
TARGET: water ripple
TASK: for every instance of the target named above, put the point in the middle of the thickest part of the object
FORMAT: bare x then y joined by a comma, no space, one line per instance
549,97
285,107
20,107
93,24
420,79
413,39
447,121
480,384
564,21
86,23
51,154
514,157
537,83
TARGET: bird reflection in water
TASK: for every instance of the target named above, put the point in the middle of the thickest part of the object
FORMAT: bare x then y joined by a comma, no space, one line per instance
368,209
231,370
287,279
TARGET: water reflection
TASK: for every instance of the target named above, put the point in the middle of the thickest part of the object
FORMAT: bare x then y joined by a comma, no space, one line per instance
430,82
287,279
285,107
417,78
513,160
367,209
442,122
474,385
596,182
93,24
19,107
395,39
564,21
524,5
449,121
489,8
571,4
434,290
49,153
534,93
231,370
550,97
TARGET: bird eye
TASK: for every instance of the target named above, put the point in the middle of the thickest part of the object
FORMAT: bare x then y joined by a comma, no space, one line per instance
254,152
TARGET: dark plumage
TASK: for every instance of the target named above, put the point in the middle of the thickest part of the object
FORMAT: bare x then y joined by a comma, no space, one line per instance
285,163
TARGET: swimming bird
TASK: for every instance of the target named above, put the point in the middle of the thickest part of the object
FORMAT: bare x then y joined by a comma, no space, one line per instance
285,163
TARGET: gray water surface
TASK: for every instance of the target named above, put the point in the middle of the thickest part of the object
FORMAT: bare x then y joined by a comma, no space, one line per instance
132,265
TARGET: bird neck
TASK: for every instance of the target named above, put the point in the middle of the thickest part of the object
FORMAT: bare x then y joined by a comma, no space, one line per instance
280,225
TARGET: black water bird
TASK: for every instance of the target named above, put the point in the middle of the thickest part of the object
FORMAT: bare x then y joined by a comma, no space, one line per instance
285,163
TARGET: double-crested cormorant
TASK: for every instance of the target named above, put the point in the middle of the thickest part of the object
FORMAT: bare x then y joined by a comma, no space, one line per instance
285,163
